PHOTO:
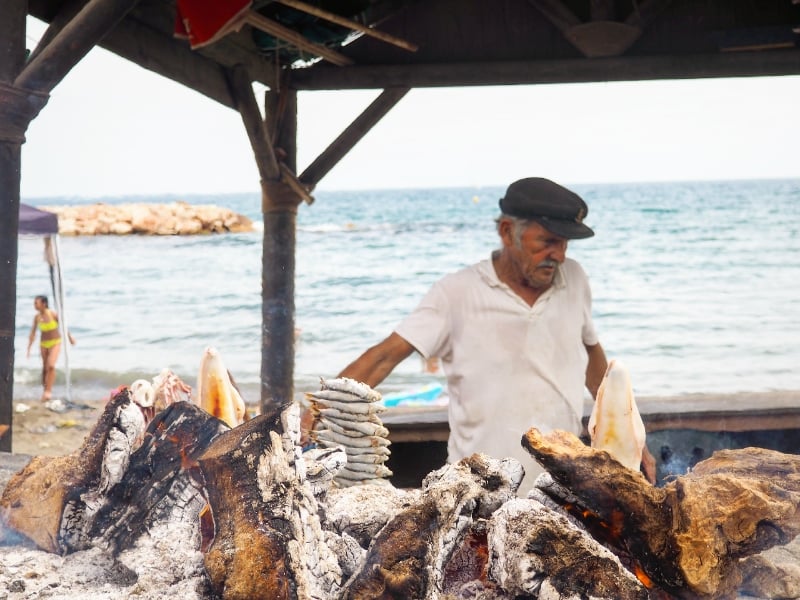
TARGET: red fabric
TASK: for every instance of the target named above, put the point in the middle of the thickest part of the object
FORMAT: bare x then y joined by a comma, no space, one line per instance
205,21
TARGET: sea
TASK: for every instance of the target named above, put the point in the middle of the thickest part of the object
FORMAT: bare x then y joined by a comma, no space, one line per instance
696,286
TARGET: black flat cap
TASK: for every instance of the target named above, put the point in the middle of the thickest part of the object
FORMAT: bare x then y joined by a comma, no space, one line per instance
557,209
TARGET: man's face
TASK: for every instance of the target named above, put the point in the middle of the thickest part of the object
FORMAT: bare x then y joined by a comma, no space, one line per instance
537,254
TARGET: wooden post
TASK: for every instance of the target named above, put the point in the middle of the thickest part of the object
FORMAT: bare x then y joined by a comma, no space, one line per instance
278,258
12,55
279,202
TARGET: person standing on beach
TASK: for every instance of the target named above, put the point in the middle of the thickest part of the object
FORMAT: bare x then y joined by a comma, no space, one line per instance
46,321
514,332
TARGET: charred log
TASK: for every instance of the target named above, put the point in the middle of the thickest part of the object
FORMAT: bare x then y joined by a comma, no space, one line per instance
689,535
268,541
538,552
407,558
163,483
34,500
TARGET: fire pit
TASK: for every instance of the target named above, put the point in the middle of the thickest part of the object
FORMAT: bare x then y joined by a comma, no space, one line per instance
191,508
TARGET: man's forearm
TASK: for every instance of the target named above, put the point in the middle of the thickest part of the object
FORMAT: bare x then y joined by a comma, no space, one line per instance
375,364
596,368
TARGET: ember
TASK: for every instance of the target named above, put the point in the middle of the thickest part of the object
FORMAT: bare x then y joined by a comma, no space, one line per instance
199,510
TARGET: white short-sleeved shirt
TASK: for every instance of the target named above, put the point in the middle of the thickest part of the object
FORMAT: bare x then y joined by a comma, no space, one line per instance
509,366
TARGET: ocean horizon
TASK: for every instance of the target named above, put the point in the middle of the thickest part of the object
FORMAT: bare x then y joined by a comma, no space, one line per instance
695,285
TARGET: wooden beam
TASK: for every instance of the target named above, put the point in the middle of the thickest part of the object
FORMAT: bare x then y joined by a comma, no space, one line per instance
350,24
170,58
279,256
646,12
557,13
242,91
236,48
72,43
12,34
579,70
280,108
274,28
352,135
66,13
603,10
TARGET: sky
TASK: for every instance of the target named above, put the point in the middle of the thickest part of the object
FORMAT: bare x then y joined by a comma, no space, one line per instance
114,129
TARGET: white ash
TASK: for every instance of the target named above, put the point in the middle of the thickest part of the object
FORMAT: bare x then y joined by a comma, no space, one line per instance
536,551
90,575
362,511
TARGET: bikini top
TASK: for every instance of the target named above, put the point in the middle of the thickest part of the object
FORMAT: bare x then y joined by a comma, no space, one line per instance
48,325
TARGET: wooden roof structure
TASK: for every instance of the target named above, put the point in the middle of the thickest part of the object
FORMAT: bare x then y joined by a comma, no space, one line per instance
389,45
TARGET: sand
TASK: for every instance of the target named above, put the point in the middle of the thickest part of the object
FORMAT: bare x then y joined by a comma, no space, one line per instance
41,429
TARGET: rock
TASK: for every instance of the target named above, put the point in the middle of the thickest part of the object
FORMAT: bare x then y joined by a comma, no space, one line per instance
176,218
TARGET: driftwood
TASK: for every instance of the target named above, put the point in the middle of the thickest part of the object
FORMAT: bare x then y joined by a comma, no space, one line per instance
689,536
536,551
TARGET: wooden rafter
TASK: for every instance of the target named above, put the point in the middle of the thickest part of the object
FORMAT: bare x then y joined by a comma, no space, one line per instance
645,13
170,58
274,28
269,167
350,24
352,135
65,15
242,91
530,72
72,43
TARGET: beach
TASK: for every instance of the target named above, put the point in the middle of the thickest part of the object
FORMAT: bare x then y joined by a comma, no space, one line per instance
53,430
40,431
683,293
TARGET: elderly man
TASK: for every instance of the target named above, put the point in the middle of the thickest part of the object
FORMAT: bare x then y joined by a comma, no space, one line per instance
514,332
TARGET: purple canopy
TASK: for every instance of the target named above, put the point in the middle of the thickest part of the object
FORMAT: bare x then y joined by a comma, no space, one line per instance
35,221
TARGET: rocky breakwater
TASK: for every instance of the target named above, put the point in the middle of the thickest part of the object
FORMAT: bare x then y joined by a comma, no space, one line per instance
175,218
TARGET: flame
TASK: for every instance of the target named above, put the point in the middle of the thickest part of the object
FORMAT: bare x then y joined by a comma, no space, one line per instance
609,534
642,576
207,528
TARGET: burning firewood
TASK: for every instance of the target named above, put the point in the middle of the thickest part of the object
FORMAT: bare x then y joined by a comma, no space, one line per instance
163,485
689,536
536,551
268,541
115,487
37,501
408,556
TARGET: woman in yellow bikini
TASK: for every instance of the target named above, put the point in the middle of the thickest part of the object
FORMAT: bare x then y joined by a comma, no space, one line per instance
46,321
